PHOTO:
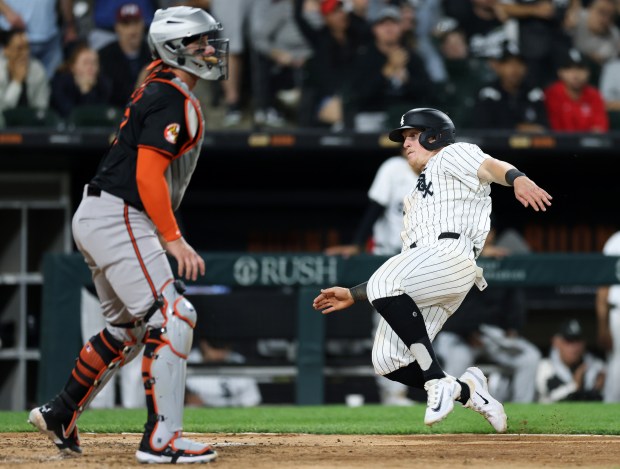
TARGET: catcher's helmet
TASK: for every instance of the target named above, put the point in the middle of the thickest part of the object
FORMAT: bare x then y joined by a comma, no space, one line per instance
433,124
172,29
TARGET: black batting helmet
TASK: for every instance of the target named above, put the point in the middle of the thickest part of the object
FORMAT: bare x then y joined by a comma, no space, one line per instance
433,124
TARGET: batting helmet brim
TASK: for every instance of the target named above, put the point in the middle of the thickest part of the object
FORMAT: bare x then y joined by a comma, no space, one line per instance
396,135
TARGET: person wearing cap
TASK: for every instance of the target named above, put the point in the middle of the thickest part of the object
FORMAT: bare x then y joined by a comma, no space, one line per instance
105,18
509,102
122,60
385,76
573,105
570,373
446,220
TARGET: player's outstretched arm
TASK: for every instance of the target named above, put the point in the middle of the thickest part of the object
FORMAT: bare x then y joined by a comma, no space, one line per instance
333,299
526,190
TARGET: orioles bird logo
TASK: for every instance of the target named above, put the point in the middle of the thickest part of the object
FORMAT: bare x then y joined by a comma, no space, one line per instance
171,132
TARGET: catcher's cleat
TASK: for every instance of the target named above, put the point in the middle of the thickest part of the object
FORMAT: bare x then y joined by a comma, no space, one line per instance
48,423
441,395
178,451
481,400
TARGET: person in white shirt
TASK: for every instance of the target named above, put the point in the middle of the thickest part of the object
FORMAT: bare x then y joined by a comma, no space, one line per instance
570,373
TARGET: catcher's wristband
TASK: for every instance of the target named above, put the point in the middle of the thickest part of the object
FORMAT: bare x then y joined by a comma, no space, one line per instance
513,174
358,292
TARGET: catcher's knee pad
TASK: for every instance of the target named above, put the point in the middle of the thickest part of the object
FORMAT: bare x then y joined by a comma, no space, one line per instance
164,367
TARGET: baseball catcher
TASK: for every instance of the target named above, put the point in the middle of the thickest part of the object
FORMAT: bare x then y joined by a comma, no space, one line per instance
125,224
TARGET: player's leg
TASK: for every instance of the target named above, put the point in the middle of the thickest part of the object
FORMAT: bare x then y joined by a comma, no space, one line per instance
395,361
398,289
391,392
168,343
141,277
103,352
97,363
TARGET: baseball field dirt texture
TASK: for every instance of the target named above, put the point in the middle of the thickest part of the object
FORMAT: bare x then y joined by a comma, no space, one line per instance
262,451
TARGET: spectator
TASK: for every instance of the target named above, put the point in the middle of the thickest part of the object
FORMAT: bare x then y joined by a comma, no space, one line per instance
609,84
608,319
78,82
381,225
23,82
542,36
358,19
509,102
385,77
105,16
46,33
233,14
220,391
570,373
572,104
481,23
487,328
122,60
327,72
427,17
595,35
465,76
279,53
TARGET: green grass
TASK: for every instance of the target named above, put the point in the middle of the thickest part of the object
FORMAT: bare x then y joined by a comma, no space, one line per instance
565,418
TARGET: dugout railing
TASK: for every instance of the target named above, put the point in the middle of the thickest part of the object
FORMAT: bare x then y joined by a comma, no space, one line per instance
66,274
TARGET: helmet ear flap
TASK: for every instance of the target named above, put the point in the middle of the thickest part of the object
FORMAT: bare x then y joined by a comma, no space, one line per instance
425,137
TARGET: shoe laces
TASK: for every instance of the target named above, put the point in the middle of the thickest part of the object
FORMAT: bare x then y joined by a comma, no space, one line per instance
432,388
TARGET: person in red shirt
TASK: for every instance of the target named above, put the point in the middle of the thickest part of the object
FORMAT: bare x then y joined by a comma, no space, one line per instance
572,104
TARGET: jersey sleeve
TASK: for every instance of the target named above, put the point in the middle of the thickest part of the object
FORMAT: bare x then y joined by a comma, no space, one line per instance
166,122
462,161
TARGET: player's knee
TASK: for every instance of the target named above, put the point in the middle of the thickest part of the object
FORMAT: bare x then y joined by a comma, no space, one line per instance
179,319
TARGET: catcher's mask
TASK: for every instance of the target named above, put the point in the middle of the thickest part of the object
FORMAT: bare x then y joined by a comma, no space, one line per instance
433,123
179,37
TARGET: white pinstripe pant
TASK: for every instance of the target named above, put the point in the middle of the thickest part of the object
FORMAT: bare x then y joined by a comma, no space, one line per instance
437,277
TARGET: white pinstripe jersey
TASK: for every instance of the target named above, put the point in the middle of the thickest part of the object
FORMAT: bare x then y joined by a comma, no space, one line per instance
449,197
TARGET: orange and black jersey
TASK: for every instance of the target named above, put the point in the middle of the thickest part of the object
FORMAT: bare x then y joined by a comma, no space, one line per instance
162,116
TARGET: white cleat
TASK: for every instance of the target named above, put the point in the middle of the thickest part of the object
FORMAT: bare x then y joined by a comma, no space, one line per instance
481,401
441,395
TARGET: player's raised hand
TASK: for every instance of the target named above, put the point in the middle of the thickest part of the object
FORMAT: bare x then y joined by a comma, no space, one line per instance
529,194
189,262
333,299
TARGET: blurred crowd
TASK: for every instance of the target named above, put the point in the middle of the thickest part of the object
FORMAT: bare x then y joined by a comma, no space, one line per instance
526,65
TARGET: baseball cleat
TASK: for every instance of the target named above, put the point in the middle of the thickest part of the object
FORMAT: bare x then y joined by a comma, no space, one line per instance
50,425
481,400
441,395
178,451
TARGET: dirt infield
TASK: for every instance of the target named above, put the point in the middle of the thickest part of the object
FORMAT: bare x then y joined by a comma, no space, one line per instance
262,451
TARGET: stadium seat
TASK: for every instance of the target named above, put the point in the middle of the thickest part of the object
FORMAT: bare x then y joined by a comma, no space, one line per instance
30,117
95,115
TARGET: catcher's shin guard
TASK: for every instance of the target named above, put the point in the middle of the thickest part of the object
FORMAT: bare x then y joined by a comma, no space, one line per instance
98,361
163,371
